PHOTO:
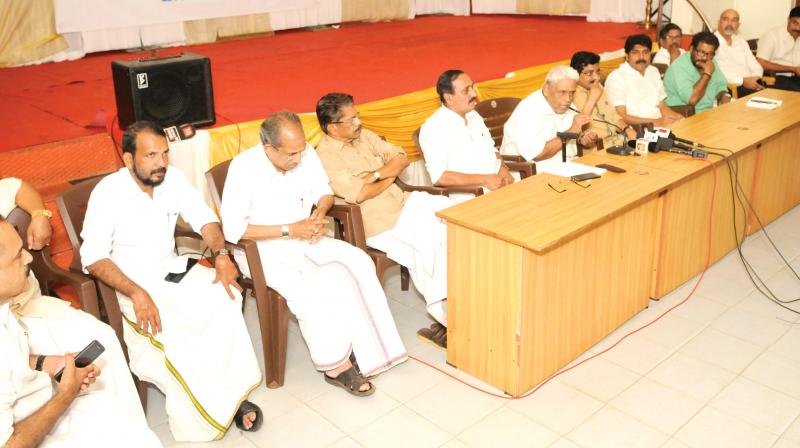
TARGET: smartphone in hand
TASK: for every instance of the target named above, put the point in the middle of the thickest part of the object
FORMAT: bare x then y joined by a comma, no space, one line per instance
85,357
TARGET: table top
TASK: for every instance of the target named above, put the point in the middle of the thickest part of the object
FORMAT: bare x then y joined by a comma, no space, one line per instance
532,214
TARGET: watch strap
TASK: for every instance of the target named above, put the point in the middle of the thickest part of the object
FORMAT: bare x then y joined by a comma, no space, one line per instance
40,362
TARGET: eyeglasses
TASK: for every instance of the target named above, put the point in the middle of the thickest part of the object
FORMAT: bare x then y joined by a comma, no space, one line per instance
353,121
709,54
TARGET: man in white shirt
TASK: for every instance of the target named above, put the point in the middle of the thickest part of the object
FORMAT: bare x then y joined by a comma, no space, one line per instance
734,57
779,51
635,89
669,41
531,129
329,285
81,410
182,324
456,144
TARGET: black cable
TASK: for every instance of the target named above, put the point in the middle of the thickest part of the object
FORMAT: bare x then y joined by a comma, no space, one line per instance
117,148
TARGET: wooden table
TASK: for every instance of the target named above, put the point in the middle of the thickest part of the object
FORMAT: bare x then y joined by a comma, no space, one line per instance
535,277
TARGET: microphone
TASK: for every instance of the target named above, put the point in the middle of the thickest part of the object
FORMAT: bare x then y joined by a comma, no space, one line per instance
566,136
665,144
666,133
619,129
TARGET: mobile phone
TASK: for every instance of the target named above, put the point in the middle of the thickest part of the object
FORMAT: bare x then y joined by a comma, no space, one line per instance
618,150
585,176
177,277
612,168
85,357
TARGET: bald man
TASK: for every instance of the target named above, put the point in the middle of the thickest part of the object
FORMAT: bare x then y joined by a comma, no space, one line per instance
734,57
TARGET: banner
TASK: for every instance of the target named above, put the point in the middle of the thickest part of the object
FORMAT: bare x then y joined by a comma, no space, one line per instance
90,15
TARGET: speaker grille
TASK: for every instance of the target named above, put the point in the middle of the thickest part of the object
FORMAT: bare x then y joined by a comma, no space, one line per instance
168,97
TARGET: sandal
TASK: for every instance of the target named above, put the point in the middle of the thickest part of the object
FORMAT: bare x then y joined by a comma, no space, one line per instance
436,335
351,381
246,408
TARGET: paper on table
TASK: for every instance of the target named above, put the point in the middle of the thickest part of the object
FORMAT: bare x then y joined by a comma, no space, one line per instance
763,103
569,169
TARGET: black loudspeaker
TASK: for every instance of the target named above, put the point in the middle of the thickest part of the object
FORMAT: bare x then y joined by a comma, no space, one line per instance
170,91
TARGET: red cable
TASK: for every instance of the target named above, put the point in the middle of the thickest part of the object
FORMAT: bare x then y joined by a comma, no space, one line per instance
691,293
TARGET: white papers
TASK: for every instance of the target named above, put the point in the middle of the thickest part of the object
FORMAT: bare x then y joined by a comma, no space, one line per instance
759,102
569,169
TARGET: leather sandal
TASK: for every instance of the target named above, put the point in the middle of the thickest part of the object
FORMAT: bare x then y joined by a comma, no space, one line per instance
436,335
245,408
351,381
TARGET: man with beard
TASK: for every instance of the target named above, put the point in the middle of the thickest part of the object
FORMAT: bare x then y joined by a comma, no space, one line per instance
669,41
531,129
590,99
779,51
182,324
457,146
635,88
734,57
695,79
277,194
362,168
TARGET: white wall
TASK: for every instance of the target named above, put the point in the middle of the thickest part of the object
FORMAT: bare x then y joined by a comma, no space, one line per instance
757,16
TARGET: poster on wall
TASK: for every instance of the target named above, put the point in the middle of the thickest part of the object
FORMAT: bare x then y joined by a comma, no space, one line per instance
88,15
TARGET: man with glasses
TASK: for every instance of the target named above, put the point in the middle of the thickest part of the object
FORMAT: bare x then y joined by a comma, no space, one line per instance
669,39
590,99
277,194
695,78
362,168
734,57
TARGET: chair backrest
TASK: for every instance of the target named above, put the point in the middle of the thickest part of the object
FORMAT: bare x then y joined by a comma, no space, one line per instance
215,177
21,220
753,44
72,204
687,110
495,113
662,68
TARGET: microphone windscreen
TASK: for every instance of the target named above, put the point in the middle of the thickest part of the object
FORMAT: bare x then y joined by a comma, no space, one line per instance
567,135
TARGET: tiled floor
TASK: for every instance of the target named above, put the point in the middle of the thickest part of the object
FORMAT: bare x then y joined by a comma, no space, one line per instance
722,370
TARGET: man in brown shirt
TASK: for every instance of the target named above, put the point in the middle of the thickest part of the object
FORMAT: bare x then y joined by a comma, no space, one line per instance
362,169
590,99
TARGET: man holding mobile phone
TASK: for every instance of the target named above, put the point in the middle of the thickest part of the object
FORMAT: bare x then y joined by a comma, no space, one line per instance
32,411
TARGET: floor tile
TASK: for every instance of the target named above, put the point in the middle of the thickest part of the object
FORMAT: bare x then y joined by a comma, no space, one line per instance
638,354
506,428
274,402
712,428
717,285
599,378
793,432
350,413
674,443
454,406
557,406
671,331
611,428
401,428
563,443
347,442
455,443
761,331
298,427
408,380
758,304
721,349
701,309
698,379
776,372
657,406
758,405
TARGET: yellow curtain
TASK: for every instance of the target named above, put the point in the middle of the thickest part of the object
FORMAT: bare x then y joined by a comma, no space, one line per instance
372,11
28,31
553,7
209,30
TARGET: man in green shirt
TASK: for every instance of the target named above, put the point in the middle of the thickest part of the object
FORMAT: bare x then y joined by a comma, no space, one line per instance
694,78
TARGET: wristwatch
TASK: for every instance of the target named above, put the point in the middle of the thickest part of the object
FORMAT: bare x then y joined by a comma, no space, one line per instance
42,212
39,362
376,174
222,251
285,231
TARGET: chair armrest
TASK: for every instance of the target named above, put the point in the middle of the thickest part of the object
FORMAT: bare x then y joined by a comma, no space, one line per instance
769,78
475,190
84,285
519,164
350,224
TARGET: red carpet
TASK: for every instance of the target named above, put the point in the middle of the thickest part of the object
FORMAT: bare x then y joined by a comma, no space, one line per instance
291,70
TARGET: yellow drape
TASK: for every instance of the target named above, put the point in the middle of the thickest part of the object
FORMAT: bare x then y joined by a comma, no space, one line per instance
209,30
372,11
553,7
28,31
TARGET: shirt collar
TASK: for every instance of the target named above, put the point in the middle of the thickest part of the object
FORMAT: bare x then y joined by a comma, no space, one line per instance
627,67
332,143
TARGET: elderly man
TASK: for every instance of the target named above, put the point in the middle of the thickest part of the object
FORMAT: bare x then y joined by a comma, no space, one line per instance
779,51
329,285
182,323
457,145
85,408
362,168
590,99
669,41
635,88
695,79
734,57
531,129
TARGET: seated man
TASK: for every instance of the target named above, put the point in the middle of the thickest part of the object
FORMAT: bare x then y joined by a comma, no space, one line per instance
531,129
590,99
329,285
669,41
635,88
695,79
456,144
734,57
186,335
32,411
779,51
362,169
18,193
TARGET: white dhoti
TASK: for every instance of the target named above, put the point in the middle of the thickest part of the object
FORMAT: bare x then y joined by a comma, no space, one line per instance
203,359
418,241
332,289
